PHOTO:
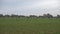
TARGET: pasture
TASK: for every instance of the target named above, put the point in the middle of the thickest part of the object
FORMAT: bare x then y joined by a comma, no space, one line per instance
29,25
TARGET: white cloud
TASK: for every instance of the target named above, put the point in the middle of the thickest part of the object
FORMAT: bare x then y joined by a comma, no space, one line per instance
28,7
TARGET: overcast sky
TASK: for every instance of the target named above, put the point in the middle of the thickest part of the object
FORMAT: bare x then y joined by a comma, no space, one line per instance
30,7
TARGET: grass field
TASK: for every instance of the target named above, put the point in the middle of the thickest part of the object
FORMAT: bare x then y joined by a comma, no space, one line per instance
29,25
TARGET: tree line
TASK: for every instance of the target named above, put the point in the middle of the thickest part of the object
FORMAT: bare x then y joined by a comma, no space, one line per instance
44,16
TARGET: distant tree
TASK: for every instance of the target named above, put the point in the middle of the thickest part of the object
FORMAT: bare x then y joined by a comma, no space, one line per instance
14,15
45,15
48,15
32,16
58,16
21,16
1,15
41,16
7,15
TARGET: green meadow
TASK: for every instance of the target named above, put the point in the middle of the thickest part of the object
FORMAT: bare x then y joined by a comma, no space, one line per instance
29,25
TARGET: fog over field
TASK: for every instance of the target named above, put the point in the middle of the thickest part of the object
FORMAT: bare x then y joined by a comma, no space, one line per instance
30,7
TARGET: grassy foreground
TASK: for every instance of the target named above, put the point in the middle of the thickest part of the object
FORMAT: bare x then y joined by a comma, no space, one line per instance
29,26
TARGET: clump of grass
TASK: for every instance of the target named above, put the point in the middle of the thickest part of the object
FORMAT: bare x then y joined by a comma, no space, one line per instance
29,26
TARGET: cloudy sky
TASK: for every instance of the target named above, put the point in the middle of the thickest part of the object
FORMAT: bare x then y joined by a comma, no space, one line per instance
30,7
